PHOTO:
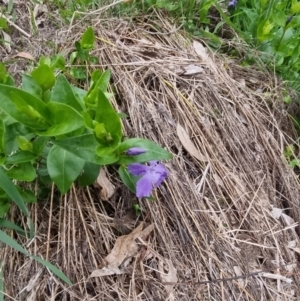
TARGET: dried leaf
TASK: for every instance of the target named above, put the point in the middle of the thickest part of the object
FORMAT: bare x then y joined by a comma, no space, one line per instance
125,248
200,50
192,69
108,189
25,55
170,276
188,144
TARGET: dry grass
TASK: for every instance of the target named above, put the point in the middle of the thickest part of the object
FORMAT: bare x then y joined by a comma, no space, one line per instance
213,219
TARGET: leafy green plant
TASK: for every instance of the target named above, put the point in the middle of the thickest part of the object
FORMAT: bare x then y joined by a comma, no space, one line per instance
273,28
82,55
52,131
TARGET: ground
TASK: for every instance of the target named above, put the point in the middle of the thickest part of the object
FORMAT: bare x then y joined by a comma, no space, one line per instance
223,226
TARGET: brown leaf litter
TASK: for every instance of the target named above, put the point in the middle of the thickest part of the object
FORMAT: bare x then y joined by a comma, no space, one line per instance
231,210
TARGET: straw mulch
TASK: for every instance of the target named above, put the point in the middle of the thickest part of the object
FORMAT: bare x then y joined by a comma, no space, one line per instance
229,209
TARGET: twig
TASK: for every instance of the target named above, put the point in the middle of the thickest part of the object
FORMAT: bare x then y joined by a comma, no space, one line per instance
16,26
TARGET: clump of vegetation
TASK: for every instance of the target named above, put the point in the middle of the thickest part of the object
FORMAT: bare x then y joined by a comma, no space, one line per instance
52,131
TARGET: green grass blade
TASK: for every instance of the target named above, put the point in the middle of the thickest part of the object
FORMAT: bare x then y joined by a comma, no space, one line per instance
9,225
7,185
13,244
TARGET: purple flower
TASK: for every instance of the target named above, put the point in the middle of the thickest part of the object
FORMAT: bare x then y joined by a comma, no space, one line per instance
232,3
152,174
135,151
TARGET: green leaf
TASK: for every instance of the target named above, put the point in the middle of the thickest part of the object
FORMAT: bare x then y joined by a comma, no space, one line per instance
295,8
279,18
64,119
27,195
30,85
45,60
128,179
3,73
3,23
107,116
98,81
58,62
13,244
4,206
14,130
88,121
85,147
78,72
63,167
9,225
44,76
88,39
10,189
63,93
89,174
22,172
20,157
24,107
153,151
39,144
24,144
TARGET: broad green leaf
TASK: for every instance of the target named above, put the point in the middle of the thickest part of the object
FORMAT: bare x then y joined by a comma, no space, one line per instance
153,151
27,195
89,174
7,185
128,179
295,8
64,119
44,76
45,60
13,244
63,167
107,116
24,144
24,107
14,130
20,157
279,18
39,144
22,172
263,30
58,62
30,85
85,147
79,94
88,121
88,38
63,93
99,81
9,225
78,72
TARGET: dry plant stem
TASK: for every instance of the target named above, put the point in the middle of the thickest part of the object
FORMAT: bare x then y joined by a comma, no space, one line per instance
15,26
84,223
50,221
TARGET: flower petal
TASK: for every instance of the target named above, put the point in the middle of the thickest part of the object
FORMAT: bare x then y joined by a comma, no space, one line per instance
144,186
134,151
137,169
